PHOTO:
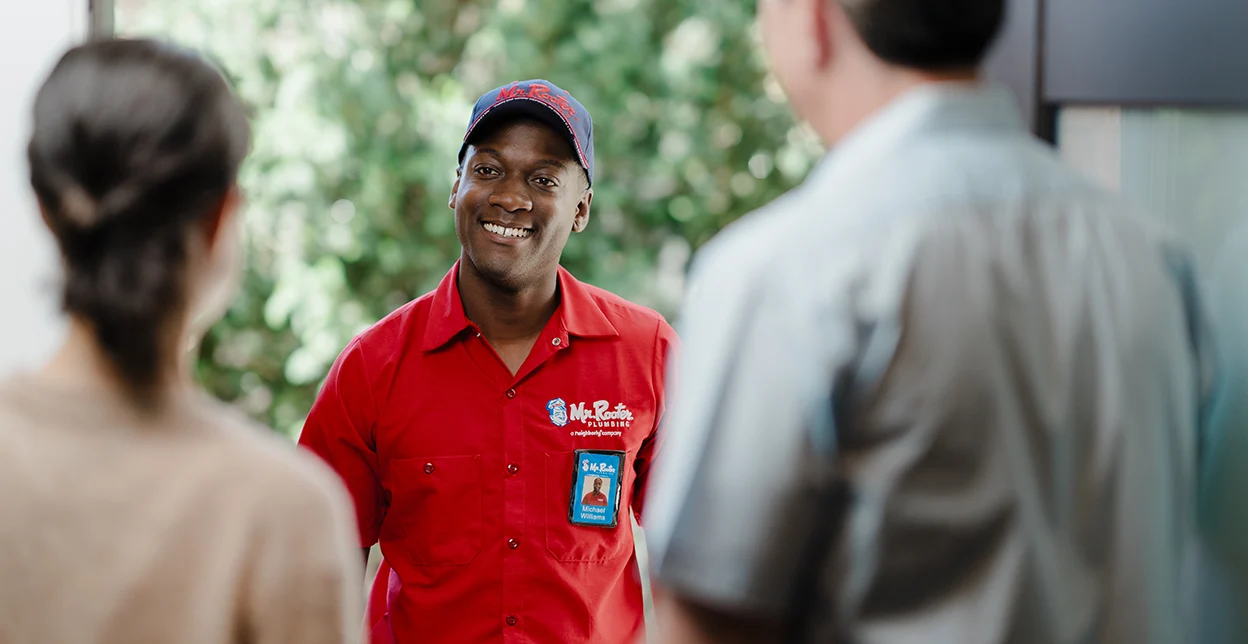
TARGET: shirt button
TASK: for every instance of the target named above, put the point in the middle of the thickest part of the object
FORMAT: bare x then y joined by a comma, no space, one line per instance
513,544
511,393
556,342
428,468
513,468
511,620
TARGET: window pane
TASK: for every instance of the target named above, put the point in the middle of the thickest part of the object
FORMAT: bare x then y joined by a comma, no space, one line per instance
1187,167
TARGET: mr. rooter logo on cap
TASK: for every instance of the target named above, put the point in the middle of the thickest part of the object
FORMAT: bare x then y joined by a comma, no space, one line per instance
538,92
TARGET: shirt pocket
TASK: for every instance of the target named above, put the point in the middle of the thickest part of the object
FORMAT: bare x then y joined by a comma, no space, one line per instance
438,500
568,542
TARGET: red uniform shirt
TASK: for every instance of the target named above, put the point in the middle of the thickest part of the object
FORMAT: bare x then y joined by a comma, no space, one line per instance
465,472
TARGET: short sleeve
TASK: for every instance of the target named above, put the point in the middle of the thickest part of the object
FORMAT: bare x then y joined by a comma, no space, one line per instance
665,343
732,512
339,429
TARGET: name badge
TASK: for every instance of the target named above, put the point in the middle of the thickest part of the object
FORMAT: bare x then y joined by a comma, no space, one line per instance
596,488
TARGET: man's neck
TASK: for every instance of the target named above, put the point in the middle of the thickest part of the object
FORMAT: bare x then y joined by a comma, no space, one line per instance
507,315
876,87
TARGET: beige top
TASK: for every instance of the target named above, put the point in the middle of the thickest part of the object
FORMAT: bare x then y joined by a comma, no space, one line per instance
193,527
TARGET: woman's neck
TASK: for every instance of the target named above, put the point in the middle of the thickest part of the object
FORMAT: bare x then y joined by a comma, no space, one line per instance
81,363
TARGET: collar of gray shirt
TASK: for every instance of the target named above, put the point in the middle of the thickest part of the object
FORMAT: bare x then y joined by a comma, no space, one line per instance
933,107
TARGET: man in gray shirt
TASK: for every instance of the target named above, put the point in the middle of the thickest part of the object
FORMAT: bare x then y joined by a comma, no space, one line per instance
946,391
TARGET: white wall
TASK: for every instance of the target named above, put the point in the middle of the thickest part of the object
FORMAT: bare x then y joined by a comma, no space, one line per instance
33,34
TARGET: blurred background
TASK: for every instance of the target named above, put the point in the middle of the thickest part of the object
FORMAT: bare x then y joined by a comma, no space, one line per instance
360,107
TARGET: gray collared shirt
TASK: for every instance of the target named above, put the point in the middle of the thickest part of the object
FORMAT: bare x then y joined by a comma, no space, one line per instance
945,391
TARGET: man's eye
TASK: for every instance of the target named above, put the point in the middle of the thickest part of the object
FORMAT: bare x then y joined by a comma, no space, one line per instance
545,182
486,170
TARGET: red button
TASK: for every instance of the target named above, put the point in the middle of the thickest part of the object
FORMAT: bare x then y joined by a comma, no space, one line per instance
428,468
511,393
511,620
513,544
513,468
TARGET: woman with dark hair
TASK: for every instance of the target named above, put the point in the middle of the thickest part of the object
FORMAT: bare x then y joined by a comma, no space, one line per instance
134,509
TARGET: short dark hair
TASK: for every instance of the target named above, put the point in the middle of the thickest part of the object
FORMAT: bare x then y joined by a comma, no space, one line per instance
134,142
930,35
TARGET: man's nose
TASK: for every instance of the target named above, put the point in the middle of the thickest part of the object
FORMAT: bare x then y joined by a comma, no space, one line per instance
511,197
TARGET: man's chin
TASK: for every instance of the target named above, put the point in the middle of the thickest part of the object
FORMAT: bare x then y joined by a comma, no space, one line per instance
500,275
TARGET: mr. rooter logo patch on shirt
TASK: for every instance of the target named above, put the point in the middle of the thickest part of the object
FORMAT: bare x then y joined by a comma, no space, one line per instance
600,416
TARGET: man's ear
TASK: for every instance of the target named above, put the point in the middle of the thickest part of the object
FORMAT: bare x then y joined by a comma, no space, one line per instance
47,219
823,33
219,216
582,211
459,174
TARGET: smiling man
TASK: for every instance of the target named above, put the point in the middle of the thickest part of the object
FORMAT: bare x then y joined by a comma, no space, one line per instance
468,423
596,497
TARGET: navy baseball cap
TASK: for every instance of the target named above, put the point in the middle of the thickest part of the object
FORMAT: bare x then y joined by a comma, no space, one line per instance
544,101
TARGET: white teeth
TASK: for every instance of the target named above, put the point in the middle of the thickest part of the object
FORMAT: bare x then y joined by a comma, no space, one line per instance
506,231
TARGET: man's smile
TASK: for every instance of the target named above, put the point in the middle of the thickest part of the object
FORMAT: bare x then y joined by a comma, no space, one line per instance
508,232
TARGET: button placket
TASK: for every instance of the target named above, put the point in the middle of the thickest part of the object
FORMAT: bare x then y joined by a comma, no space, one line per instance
512,454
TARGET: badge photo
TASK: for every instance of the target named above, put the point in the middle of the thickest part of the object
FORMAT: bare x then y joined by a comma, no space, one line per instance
596,483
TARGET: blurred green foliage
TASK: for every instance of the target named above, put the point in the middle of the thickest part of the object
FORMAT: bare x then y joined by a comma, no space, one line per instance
359,109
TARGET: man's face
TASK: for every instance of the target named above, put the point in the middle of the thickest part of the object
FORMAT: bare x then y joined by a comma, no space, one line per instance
597,485
519,195
789,41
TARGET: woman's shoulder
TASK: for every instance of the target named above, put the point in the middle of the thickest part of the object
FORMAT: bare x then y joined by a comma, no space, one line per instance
206,444
269,463
225,465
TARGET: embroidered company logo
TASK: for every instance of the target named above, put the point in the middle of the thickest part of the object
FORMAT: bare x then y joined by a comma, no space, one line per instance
601,414
598,418
558,412
538,92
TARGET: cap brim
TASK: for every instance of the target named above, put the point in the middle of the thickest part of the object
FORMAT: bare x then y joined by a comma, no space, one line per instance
526,108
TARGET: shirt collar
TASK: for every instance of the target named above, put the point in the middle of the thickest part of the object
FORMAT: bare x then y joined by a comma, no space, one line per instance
446,313
930,108
579,313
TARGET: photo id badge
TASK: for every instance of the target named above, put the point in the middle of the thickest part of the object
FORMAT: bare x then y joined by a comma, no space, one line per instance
596,488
